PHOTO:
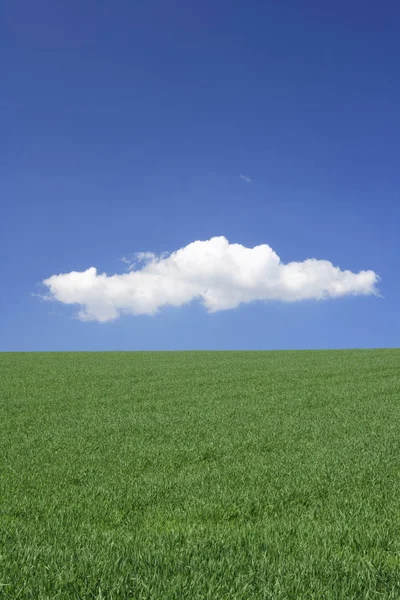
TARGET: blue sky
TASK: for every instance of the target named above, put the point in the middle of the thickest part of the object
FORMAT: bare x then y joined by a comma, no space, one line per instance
126,128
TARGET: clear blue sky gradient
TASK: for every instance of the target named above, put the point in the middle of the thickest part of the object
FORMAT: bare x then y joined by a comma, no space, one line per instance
126,126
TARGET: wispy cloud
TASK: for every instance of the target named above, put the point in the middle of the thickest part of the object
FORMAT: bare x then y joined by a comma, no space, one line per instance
220,274
127,262
142,258
246,179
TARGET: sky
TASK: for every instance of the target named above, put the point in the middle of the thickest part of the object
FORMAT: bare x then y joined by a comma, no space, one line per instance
212,175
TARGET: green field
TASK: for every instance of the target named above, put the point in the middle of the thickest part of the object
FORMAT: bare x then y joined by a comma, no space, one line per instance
200,475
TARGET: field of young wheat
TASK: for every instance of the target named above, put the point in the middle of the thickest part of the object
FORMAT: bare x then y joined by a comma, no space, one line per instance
200,475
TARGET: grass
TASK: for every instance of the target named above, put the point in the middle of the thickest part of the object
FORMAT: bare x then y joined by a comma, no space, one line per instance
243,475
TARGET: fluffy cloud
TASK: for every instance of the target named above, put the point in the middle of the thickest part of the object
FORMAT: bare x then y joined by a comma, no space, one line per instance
220,274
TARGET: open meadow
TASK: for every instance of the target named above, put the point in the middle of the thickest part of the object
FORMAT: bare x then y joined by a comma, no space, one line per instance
200,475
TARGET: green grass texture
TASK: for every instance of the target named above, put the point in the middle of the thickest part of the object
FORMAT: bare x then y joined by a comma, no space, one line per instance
200,475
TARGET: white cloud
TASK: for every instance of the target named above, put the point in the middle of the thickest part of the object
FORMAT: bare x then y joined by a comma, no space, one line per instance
245,178
220,274
140,258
